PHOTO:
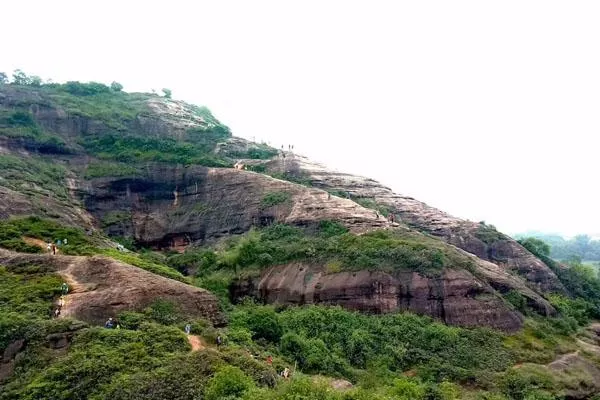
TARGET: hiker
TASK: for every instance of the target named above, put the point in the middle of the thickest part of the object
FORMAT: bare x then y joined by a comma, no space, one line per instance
109,324
65,241
64,288
392,218
49,247
219,340
285,373
56,313
59,242
53,249
61,301
188,329
270,360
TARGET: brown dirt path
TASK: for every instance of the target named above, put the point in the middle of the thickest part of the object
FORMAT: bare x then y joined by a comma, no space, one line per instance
196,343
37,242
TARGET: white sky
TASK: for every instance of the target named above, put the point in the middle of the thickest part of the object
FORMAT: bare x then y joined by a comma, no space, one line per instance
487,110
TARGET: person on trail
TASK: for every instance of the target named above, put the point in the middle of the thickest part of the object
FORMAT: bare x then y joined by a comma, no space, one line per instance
64,288
61,302
270,360
188,329
109,324
219,340
49,247
285,373
65,241
59,242
392,218
56,313
53,249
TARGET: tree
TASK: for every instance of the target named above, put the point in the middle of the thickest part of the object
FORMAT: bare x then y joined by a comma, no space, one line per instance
20,78
35,80
536,246
3,78
167,92
116,87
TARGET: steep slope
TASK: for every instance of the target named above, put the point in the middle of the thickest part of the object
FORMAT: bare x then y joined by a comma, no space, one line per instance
476,238
101,287
159,171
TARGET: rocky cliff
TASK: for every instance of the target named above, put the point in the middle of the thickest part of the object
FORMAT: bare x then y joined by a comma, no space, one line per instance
476,238
160,171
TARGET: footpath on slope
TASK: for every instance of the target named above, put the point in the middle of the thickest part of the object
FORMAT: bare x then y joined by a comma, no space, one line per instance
196,342
101,287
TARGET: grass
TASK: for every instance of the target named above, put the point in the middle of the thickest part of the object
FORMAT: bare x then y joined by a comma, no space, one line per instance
274,198
141,262
99,169
13,230
488,233
33,175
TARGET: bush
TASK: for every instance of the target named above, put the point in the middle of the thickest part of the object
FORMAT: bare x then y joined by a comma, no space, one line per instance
274,198
228,383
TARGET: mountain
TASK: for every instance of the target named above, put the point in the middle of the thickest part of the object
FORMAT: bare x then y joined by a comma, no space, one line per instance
198,205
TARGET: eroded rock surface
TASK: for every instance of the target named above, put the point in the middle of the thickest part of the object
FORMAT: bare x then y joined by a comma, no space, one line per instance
467,235
167,205
102,287
455,297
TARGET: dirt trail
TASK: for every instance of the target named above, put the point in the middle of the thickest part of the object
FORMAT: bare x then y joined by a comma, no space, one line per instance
37,242
101,287
196,342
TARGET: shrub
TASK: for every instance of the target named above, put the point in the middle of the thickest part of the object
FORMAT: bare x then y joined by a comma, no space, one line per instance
274,198
228,383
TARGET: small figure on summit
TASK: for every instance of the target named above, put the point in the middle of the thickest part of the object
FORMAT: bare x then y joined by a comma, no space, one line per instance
64,288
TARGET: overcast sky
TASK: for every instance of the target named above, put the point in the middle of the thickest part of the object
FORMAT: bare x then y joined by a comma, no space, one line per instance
487,110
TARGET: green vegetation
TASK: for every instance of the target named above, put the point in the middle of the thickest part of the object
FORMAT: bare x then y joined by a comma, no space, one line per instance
372,204
488,233
14,230
33,176
300,179
580,247
99,169
582,283
261,152
275,198
277,244
143,262
115,218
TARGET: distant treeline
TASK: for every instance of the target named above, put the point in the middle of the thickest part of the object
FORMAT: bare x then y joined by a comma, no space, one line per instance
579,247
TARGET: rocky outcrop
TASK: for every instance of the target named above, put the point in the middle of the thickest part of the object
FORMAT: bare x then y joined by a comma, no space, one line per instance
455,297
102,287
166,205
467,235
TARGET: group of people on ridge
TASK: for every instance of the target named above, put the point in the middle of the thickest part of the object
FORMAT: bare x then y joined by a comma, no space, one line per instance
51,247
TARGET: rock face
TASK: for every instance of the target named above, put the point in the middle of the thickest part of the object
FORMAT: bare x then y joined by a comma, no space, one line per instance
173,206
102,287
469,236
169,205
455,297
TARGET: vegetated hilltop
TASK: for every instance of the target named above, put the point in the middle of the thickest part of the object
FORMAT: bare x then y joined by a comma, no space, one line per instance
194,204
158,171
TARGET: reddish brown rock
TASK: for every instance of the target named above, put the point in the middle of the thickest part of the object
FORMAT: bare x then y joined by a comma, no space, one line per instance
455,297
102,287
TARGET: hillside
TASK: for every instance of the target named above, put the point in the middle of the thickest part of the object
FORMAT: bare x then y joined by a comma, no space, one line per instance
100,166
